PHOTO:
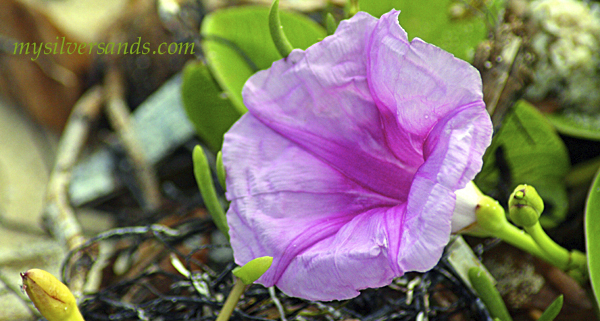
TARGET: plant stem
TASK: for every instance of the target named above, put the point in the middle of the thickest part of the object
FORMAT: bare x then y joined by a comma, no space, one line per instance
561,258
518,238
232,300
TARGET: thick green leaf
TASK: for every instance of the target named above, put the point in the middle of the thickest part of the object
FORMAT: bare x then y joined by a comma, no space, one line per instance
209,111
576,124
592,230
531,153
237,43
431,21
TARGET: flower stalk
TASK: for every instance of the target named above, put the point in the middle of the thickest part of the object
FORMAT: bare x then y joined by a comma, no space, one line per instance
525,208
232,300
245,275
492,222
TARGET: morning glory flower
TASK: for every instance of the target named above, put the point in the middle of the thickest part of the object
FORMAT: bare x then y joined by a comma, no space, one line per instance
346,166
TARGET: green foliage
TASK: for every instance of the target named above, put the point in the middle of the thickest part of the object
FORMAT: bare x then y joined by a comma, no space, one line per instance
207,190
431,21
221,170
237,43
209,111
592,230
576,124
283,45
533,154
553,309
489,294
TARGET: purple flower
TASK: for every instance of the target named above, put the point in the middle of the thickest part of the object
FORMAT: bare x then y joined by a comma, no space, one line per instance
345,168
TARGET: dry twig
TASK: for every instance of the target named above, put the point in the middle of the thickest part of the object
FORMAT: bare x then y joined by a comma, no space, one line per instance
58,216
119,116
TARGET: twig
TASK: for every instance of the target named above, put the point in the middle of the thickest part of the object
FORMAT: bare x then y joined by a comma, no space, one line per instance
119,117
58,216
277,303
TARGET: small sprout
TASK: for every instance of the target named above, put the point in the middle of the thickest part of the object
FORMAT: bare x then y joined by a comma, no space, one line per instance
207,190
283,45
525,206
488,294
552,310
50,296
330,24
221,175
253,270
246,275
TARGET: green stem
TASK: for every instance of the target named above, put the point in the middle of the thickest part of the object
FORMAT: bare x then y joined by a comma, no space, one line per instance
283,45
561,258
232,300
518,238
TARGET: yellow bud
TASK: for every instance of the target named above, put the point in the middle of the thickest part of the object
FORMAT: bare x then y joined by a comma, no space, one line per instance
50,296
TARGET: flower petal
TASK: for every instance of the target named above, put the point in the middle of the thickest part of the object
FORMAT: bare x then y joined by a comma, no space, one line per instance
425,85
320,99
346,166
453,155
286,202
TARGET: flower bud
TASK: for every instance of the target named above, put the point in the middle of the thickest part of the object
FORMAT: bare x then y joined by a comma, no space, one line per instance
50,296
525,206
253,270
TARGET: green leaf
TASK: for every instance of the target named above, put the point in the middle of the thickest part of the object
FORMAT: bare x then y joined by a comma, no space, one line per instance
592,230
553,310
237,43
488,293
431,21
576,124
253,270
209,111
207,190
530,153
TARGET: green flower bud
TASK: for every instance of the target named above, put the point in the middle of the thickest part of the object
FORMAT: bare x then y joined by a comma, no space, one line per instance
525,206
253,270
